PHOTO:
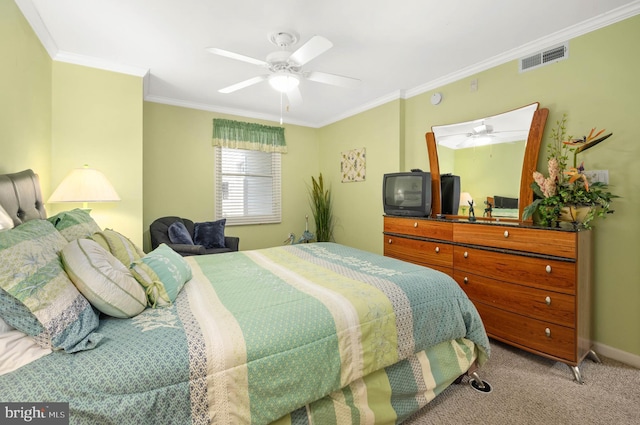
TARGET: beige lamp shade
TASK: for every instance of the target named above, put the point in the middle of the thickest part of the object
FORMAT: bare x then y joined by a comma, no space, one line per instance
84,185
465,197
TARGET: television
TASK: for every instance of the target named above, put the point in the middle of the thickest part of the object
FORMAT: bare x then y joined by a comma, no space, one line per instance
450,193
407,193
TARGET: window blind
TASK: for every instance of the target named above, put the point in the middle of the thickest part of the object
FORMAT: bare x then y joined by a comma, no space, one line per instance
248,186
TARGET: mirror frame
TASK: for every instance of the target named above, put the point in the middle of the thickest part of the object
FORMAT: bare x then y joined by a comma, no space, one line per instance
529,165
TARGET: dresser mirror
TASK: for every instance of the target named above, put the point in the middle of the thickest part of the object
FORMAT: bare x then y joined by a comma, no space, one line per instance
495,157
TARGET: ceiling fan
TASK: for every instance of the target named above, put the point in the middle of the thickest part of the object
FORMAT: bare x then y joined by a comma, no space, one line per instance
285,66
481,130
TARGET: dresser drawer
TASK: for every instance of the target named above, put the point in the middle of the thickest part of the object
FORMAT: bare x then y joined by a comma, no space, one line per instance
554,275
419,251
419,227
535,303
542,337
539,241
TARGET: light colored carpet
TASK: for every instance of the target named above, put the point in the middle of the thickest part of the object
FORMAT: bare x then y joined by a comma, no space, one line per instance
528,389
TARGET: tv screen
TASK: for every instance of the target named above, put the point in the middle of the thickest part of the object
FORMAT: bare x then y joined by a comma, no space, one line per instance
407,193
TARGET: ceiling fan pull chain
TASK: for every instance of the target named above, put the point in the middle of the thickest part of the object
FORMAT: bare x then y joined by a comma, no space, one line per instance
281,107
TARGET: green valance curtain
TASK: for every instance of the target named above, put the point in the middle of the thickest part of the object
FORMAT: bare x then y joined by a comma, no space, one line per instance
249,136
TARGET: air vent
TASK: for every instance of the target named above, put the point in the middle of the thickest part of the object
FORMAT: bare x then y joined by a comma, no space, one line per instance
545,57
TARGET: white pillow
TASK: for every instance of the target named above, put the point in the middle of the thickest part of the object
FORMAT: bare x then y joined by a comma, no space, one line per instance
17,349
6,222
103,279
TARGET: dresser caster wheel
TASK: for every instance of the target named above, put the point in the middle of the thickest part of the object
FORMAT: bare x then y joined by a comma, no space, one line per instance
478,384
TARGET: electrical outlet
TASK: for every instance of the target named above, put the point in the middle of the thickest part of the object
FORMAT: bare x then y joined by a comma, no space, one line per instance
597,176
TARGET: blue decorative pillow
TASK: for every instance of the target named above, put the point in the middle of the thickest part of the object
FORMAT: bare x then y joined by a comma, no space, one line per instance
210,234
163,273
178,233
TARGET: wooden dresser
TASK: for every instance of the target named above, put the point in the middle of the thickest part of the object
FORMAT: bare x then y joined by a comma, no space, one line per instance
531,285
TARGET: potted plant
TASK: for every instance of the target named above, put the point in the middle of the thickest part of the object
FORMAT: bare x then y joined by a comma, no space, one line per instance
320,200
566,194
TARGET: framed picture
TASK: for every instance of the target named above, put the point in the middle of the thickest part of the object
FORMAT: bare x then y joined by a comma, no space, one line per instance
353,165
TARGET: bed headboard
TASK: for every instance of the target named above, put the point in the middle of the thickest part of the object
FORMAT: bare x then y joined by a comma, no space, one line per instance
20,196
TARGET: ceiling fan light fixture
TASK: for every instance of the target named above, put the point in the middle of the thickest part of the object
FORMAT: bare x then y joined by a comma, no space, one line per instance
284,82
483,129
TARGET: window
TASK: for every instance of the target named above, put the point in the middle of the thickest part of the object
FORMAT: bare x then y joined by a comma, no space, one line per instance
247,186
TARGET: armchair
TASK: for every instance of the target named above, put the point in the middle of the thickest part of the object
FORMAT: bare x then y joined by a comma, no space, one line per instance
159,231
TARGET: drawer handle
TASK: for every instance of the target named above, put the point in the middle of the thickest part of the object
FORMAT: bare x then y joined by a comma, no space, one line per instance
547,300
506,233
547,332
415,224
437,249
390,240
465,280
466,254
548,268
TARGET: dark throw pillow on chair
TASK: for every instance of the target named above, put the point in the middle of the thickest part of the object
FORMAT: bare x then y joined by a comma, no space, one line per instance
210,234
178,233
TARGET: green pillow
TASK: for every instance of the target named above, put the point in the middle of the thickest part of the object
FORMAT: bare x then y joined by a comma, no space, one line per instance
36,295
163,272
103,279
118,245
74,224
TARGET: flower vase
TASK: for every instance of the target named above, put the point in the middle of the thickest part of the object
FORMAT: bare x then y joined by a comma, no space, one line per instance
574,213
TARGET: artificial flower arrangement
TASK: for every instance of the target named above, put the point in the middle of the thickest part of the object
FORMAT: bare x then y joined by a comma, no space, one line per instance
566,194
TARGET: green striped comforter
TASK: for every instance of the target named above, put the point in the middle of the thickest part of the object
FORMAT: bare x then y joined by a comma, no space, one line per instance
313,333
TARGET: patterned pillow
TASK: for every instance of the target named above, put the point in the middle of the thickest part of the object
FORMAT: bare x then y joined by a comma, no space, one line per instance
210,234
179,234
118,245
163,272
37,296
103,279
74,224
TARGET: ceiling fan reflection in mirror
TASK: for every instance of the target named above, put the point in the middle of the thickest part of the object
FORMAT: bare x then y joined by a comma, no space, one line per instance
285,66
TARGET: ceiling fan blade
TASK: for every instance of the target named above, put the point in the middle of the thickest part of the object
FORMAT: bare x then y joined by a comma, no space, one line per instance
236,56
243,84
294,96
310,50
333,79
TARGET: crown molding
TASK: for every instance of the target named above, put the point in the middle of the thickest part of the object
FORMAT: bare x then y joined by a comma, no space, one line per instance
31,15
224,110
33,18
398,94
98,63
540,44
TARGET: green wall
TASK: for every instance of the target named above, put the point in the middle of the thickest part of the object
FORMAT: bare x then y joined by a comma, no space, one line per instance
179,173
358,205
97,120
55,117
25,98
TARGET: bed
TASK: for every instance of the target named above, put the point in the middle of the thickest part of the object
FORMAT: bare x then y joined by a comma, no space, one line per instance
310,333
501,207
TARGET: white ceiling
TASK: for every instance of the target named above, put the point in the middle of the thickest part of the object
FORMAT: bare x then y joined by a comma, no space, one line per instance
397,48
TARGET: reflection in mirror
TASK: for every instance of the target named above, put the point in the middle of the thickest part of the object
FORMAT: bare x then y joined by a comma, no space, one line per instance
490,155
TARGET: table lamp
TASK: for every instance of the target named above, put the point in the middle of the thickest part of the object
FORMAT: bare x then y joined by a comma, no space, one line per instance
84,185
465,198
